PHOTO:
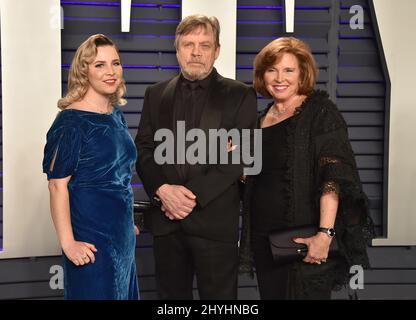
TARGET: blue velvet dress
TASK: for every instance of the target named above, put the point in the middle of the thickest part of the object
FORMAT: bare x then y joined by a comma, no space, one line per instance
99,153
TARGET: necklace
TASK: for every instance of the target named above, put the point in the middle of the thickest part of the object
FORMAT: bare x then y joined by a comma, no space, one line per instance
96,109
104,112
277,113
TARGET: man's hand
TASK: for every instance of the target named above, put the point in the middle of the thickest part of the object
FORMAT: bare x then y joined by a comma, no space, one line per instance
177,201
168,215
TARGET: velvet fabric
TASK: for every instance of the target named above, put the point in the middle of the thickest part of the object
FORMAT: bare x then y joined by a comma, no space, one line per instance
96,150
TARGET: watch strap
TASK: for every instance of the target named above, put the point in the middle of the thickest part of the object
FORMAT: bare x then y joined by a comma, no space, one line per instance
329,231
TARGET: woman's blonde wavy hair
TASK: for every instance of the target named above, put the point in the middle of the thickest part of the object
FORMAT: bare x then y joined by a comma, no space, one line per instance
78,73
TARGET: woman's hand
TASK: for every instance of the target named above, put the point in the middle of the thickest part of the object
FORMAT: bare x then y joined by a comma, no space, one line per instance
318,247
136,230
80,253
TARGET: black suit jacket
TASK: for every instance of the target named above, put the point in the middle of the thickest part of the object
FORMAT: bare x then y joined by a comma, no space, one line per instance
231,104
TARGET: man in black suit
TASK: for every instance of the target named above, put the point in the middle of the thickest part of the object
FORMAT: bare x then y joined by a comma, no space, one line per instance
195,223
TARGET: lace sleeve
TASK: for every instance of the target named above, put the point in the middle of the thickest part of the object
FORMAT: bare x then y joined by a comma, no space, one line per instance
336,171
328,186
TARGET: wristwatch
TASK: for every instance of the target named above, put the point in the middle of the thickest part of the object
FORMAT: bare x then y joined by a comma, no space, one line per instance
329,231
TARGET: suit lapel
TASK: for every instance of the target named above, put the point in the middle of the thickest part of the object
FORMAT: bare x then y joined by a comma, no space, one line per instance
167,120
212,112
166,115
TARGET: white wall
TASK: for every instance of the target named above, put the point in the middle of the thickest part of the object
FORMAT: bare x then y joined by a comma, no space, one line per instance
31,85
397,26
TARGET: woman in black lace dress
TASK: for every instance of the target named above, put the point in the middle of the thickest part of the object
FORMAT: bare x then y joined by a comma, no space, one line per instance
309,177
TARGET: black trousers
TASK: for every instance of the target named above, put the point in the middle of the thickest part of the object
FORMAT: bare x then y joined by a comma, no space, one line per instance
179,256
296,281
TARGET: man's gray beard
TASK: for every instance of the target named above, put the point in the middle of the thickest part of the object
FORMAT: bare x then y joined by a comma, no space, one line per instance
194,77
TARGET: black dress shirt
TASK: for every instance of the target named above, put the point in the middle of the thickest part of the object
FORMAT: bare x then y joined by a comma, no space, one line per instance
190,99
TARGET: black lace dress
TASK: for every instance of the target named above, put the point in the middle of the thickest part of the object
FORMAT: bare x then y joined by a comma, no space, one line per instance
319,159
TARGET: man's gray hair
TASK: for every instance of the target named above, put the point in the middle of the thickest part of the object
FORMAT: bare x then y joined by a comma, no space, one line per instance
193,22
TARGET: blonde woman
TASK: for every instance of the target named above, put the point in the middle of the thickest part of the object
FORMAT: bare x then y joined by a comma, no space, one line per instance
88,160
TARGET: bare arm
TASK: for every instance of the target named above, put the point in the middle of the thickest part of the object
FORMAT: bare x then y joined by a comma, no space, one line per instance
59,202
329,207
78,252
318,245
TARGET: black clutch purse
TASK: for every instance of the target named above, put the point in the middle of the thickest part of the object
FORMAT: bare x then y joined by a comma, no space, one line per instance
285,250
